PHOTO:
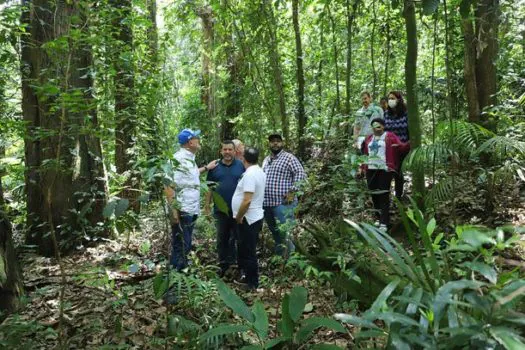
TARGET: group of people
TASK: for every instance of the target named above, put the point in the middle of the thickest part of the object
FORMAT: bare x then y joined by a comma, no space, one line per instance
381,133
244,195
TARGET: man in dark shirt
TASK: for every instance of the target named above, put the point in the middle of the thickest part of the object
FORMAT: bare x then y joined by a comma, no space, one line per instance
226,176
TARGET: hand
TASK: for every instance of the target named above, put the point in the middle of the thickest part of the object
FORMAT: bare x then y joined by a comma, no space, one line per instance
289,198
239,219
212,165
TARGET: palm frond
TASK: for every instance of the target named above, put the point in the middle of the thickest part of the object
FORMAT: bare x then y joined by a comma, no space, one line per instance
463,136
442,191
423,157
503,146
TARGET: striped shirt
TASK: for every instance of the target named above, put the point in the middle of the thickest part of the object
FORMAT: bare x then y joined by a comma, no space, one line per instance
283,172
397,125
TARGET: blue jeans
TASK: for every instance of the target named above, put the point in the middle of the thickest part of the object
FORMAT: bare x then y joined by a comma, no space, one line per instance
280,220
247,250
226,240
181,236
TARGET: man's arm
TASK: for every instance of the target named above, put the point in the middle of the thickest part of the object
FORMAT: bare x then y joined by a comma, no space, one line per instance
174,215
210,166
298,175
245,204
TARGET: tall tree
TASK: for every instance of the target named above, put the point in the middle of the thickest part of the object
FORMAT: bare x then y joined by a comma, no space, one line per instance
350,16
11,283
125,99
414,124
277,71
208,76
301,115
64,176
480,23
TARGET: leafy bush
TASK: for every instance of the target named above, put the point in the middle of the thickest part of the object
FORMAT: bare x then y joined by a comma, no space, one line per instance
294,331
448,296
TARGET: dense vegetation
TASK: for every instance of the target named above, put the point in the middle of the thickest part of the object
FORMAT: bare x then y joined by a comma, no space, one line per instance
94,93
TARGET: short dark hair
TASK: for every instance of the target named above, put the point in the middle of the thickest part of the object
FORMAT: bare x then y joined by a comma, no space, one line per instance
384,98
251,155
275,136
367,93
378,120
228,142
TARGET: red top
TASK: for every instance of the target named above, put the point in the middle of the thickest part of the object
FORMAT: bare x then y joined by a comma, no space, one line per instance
392,154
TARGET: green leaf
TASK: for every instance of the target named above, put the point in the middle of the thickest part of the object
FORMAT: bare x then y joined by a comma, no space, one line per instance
233,301
252,347
508,338
276,341
444,295
311,324
224,330
430,6
261,319
431,226
298,299
483,269
286,324
325,347
121,207
220,203
383,296
160,285
356,320
109,209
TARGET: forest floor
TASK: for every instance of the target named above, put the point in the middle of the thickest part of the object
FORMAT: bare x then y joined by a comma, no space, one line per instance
109,298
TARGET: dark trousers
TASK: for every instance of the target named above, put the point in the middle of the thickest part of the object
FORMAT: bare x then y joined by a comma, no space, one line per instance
248,235
399,179
181,237
379,182
226,240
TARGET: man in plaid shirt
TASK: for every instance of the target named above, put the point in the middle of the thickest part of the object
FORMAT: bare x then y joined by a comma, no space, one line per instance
283,173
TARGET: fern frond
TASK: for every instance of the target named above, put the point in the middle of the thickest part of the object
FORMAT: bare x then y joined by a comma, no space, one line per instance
442,191
502,146
464,136
423,157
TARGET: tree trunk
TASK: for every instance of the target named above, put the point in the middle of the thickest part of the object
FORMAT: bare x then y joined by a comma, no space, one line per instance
336,60
208,85
372,55
277,71
234,87
350,16
387,50
301,115
64,170
153,147
487,23
411,85
11,282
469,70
125,100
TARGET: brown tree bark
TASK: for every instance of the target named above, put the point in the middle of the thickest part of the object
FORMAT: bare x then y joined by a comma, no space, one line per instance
414,123
336,61
277,71
235,83
301,115
469,71
125,100
64,170
208,85
11,281
487,23
350,16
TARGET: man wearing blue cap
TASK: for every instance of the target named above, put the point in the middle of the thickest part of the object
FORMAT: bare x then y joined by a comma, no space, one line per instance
185,190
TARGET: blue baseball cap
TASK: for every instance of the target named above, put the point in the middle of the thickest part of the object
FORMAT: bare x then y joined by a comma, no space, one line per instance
188,134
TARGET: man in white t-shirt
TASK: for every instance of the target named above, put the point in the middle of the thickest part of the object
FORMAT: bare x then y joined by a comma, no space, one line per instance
247,208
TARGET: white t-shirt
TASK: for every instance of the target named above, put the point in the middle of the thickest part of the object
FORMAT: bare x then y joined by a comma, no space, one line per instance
376,152
187,182
253,180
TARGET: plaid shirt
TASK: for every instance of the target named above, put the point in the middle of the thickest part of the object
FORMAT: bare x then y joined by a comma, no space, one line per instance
283,172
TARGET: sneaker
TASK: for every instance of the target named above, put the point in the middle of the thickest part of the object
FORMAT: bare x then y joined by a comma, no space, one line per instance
383,227
377,223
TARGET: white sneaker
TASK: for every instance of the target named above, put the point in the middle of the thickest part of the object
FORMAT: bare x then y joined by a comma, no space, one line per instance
383,227
377,223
